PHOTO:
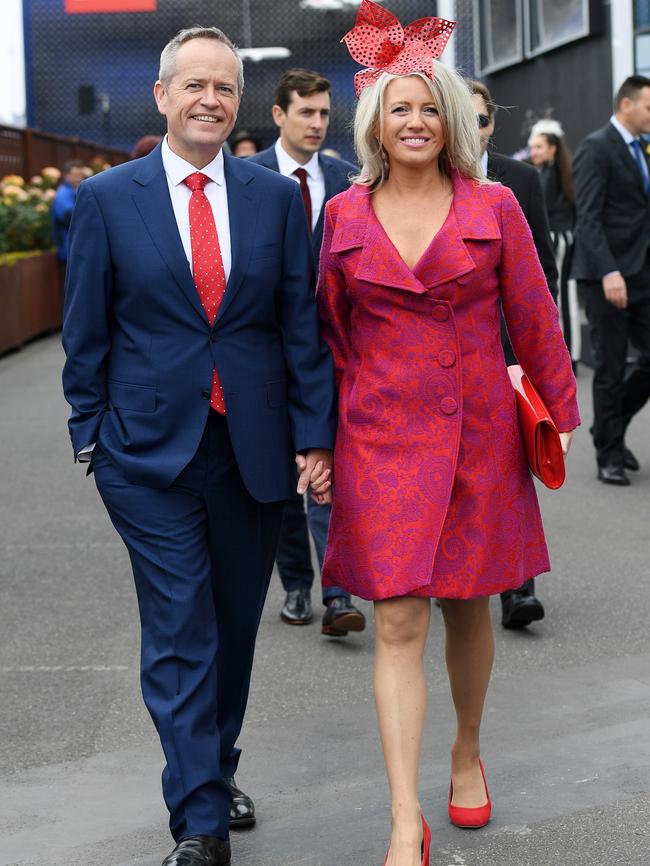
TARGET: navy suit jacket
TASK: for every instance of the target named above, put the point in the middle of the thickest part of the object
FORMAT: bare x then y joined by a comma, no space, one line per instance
613,211
140,350
336,173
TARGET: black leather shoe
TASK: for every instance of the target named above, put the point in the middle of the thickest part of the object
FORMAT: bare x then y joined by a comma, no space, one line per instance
341,617
200,851
242,810
297,607
519,608
629,460
613,473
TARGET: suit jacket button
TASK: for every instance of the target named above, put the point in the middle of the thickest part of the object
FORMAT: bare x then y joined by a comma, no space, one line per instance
205,395
446,358
440,313
448,405
213,337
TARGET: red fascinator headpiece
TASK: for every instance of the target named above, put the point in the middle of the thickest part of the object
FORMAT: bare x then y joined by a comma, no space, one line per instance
379,42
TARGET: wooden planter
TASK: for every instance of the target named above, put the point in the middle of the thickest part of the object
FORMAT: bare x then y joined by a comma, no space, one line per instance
31,299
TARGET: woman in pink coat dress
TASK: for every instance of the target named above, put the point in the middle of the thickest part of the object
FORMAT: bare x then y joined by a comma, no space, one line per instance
433,497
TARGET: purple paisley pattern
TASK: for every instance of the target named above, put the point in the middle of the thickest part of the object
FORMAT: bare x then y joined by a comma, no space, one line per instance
433,495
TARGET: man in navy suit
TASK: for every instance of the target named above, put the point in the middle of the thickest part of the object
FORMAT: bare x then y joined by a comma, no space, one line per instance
197,380
301,111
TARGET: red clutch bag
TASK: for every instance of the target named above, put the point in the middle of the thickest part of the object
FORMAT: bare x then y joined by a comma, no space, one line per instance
540,435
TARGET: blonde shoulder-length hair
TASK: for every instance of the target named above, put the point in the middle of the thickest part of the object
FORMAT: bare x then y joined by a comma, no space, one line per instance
453,100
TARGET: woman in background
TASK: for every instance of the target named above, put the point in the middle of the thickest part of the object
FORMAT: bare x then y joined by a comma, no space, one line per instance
551,156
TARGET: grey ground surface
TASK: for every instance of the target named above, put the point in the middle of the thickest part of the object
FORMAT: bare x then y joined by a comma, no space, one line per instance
567,730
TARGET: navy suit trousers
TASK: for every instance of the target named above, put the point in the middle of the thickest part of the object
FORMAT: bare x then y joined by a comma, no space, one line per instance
202,553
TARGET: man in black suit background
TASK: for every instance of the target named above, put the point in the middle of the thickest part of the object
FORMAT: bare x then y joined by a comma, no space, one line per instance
301,111
612,264
519,607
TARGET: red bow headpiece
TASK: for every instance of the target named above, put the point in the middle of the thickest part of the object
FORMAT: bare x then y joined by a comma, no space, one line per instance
379,42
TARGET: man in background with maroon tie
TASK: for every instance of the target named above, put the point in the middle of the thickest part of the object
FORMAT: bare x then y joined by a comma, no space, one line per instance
197,380
301,111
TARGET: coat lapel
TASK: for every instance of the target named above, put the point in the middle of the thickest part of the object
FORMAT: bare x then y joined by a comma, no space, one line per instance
446,259
243,209
151,197
471,218
378,261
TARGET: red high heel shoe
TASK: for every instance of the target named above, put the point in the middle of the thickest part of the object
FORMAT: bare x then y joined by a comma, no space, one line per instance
470,818
426,844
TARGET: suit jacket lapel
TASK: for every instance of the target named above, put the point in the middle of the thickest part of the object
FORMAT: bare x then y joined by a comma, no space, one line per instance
495,169
151,197
623,156
243,209
268,159
331,189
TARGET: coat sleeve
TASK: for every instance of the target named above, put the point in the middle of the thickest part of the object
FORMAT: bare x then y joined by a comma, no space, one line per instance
590,175
333,305
86,320
532,318
311,394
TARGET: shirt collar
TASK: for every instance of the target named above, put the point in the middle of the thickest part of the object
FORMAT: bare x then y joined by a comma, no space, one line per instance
484,163
287,164
628,138
177,168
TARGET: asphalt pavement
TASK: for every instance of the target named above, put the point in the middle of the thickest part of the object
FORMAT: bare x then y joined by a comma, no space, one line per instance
566,739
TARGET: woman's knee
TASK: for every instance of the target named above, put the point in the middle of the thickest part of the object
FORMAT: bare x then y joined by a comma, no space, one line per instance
466,615
401,621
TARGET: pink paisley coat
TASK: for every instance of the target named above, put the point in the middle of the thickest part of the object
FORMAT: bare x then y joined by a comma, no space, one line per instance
433,495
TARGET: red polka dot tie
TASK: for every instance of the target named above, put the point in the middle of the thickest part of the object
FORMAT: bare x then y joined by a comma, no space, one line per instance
209,275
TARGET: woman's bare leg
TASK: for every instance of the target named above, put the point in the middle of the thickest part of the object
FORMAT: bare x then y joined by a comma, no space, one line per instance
401,700
469,654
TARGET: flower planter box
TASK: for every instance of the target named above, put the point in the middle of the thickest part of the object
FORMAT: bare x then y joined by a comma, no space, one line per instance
31,299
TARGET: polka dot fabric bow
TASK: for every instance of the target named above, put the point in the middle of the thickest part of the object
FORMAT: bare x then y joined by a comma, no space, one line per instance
379,42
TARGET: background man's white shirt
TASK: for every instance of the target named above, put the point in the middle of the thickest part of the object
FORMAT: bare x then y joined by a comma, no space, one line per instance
315,179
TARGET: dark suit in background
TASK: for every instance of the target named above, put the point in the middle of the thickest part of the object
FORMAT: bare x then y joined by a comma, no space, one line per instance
294,553
524,181
336,173
613,234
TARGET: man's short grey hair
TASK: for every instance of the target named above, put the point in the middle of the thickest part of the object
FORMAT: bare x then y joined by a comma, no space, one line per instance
169,52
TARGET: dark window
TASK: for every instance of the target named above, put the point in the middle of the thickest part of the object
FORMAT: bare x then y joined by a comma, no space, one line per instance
555,22
500,28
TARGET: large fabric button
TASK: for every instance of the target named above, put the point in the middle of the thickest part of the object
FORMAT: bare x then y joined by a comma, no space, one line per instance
446,358
448,405
440,313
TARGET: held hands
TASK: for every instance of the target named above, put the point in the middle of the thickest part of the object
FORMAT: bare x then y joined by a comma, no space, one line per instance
565,439
615,290
315,470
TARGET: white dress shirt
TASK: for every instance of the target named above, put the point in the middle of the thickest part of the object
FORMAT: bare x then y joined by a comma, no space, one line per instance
315,179
177,169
